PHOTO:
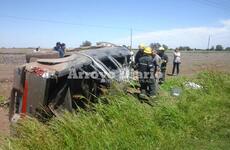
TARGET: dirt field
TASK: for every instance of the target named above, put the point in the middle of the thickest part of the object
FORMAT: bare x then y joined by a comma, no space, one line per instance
192,62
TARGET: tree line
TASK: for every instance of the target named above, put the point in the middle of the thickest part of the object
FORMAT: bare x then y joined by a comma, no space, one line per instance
187,48
181,48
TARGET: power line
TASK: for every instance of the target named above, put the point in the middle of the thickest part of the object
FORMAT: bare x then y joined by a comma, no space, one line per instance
63,22
72,23
76,24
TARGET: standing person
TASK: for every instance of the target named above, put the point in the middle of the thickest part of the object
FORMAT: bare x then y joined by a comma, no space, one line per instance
164,61
63,47
146,74
58,48
58,45
156,59
37,49
139,53
176,62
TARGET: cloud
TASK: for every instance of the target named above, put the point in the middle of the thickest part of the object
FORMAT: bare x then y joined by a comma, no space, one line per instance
196,37
226,23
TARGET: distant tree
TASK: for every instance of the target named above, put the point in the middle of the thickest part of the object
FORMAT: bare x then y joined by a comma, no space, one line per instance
181,48
212,48
219,48
155,46
227,48
86,43
165,47
185,48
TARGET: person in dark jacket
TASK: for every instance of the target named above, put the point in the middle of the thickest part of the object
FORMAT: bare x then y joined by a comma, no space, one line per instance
164,61
59,49
146,74
139,53
63,47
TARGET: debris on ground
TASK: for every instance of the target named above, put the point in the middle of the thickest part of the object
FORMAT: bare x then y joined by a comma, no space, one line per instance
192,85
4,103
176,91
15,118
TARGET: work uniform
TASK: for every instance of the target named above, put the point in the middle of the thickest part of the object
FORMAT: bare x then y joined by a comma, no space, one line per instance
146,75
164,61
138,55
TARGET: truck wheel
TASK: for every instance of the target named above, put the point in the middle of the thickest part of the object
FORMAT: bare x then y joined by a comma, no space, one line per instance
31,57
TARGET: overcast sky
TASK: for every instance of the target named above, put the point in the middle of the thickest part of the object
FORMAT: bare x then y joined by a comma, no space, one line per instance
31,23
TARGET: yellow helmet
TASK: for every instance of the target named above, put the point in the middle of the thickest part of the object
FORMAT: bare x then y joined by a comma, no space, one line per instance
148,50
142,46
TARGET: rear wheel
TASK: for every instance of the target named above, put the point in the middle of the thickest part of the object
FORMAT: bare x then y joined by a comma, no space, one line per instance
31,57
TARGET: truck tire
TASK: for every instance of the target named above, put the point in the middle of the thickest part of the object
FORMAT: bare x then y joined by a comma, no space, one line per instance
32,57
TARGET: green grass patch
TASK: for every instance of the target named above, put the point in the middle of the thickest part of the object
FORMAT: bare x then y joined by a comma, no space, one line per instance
2,98
197,119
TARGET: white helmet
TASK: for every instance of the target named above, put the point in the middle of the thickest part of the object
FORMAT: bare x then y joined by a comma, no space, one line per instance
161,48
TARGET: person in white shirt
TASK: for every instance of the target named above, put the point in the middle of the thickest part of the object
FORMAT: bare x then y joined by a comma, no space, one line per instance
176,62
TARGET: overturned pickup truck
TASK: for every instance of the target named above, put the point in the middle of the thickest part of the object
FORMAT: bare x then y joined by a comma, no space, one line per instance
49,84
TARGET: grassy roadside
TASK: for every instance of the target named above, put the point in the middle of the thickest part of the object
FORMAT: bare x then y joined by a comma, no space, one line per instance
197,119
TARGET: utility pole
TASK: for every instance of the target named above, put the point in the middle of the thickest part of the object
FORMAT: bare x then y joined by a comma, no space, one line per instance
209,41
131,38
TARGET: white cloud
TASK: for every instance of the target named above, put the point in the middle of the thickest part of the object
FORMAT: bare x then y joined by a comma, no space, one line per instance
226,22
196,37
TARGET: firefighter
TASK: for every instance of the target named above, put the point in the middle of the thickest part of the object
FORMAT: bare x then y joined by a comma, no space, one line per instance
146,74
139,53
164,61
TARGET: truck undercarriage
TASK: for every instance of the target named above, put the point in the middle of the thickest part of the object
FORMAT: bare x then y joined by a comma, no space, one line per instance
50,84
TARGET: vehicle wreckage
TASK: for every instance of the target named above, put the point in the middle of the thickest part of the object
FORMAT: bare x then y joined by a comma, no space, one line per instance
53,83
